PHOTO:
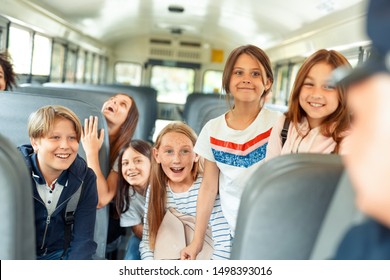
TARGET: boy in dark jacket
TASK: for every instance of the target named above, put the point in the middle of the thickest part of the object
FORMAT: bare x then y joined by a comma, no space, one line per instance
57,173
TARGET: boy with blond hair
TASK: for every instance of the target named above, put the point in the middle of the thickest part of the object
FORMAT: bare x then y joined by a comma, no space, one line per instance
59,175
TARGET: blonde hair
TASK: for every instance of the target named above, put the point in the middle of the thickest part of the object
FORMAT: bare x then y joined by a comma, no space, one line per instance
158,180
41,122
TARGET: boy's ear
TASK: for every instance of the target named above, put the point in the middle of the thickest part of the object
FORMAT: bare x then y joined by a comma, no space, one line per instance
34,143
155,154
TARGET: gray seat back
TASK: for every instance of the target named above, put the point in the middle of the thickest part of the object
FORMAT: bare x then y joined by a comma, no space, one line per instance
17,231
144,97
342,213
15,108
200,108
283,206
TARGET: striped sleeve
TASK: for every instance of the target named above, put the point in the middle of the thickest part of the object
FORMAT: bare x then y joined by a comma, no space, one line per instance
144,248
221,233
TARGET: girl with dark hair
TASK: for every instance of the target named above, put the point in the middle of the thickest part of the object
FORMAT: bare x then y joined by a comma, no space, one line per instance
7,75
121,114
134,170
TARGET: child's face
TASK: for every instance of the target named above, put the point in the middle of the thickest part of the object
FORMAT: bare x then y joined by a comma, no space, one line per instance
247,80
176,157
368,161
3,83
116,109
136,169
317,98
58,149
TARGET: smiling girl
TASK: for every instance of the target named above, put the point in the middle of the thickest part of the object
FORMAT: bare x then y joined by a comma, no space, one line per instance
234,144
121,114
174,183
317,119
132,185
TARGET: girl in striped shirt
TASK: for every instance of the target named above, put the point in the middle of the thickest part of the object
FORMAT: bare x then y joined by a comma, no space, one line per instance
175,181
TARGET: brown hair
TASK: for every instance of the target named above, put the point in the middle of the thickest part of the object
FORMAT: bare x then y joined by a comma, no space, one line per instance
159,180
126,131
257,54
122,200
9,74
336,123
41,121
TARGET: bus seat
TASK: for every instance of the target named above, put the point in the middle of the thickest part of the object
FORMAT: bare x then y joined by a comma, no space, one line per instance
209,112
145,98
283,206
199,103
15,108
17,231
341,215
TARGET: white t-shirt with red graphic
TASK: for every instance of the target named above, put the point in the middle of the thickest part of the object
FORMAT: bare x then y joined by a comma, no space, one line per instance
237,153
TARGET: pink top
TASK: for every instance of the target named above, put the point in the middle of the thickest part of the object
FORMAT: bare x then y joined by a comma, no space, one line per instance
313,142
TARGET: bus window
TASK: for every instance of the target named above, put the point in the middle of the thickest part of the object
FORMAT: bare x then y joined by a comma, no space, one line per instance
41,56
95,69
57,70
1,40
20,49
88,68
103,70
280,94
3,33
173,84
212,81
293,73
80,67
128,73
71,58
356,56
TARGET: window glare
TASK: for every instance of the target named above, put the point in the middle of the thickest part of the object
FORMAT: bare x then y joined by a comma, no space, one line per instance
212,81
70,66
80,67
103,70
95,68
88,68
128,73
41,55
58,63
173,84
20,49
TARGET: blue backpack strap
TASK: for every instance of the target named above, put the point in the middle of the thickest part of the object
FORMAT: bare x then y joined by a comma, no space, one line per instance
283,133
